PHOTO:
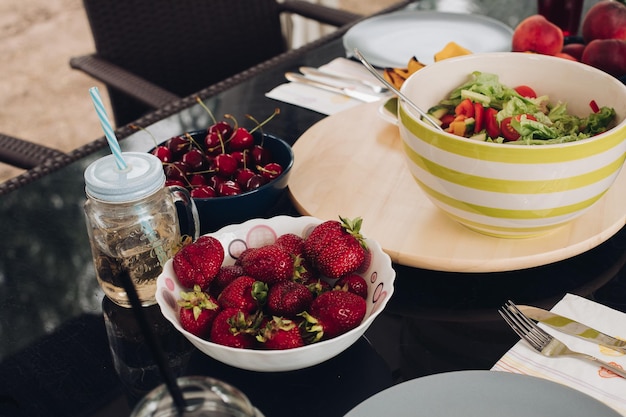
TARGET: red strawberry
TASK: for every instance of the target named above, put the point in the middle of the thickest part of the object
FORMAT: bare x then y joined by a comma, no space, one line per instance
291,243
226,275
244,293
232,327
353,283
336,248
198,262
288,298
280,333
333,313
269,264
242,255
197,311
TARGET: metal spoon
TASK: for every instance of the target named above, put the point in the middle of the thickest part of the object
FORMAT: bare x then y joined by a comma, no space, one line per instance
391,87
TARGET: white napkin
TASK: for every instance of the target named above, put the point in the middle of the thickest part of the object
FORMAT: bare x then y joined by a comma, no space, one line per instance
319,100
579,374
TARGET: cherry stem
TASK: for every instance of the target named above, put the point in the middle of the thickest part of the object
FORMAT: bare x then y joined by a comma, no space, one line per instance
147,131
206,108
260,125
192,140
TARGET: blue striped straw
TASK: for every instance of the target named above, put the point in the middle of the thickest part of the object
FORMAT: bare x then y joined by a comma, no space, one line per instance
108,129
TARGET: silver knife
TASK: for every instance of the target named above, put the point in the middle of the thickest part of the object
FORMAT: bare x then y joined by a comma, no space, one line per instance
359,95
377,88
573,328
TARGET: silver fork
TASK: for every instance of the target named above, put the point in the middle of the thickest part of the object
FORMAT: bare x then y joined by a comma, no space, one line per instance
542,341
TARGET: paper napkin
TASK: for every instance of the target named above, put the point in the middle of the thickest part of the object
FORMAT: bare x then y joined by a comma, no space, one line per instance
579,374
319,100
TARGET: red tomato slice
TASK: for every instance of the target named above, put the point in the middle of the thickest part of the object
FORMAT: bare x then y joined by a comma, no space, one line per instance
479,116
465,108
525,91
491,124
508,132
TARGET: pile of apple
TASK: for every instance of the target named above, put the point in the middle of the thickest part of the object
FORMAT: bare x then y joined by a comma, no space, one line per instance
603,34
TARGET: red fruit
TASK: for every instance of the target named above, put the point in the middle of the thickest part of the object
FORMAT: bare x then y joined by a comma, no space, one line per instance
271,170
280,333
243,175
221,127
256,182
537,34
228,187
226,275
225,165
574,49
291,243
178,145
232,327
260,155
269,264
609,55
163,153
288,298
605,20
244,293
241,139
177,170
195,159
203,191
243,255
198,262
213,143
336,248
353,283
197,311
333,313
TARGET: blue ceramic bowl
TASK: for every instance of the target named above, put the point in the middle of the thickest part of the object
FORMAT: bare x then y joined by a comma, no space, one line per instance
218,212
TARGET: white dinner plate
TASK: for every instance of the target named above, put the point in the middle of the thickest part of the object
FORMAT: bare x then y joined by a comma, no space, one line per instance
481,394
390,40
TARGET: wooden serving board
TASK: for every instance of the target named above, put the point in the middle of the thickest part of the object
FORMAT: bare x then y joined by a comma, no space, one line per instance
351,164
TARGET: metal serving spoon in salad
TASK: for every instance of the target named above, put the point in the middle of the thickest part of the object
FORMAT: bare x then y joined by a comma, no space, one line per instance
391,87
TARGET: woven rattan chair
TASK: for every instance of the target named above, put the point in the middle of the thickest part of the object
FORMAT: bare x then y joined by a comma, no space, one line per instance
25,154
152,52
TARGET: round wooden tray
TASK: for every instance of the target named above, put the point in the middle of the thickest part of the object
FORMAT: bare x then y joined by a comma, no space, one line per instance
351,164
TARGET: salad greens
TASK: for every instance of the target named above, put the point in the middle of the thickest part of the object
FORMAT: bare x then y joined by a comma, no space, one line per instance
534,119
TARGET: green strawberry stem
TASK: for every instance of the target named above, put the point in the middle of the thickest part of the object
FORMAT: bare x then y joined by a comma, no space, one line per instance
353,227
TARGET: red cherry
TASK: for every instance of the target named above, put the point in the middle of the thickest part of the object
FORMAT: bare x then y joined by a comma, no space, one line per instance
256,182
225,164
197,180
178,145
271,170
229,188
243,158
203,191
171,183
260,155
195,159
163,153
243,175
222,128
215,181
241,139
176,171
213,143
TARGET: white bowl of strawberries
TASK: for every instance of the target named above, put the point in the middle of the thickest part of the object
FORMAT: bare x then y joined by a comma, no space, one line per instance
276,294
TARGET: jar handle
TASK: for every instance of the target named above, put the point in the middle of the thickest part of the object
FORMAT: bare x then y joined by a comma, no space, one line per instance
189,220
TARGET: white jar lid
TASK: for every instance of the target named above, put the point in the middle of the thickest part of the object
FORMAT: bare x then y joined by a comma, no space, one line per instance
143,176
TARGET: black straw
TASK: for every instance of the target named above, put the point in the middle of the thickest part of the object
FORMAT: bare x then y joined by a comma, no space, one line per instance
157,352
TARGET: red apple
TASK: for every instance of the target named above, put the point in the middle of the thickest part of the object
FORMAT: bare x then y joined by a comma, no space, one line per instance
609,55
537,34
605,20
